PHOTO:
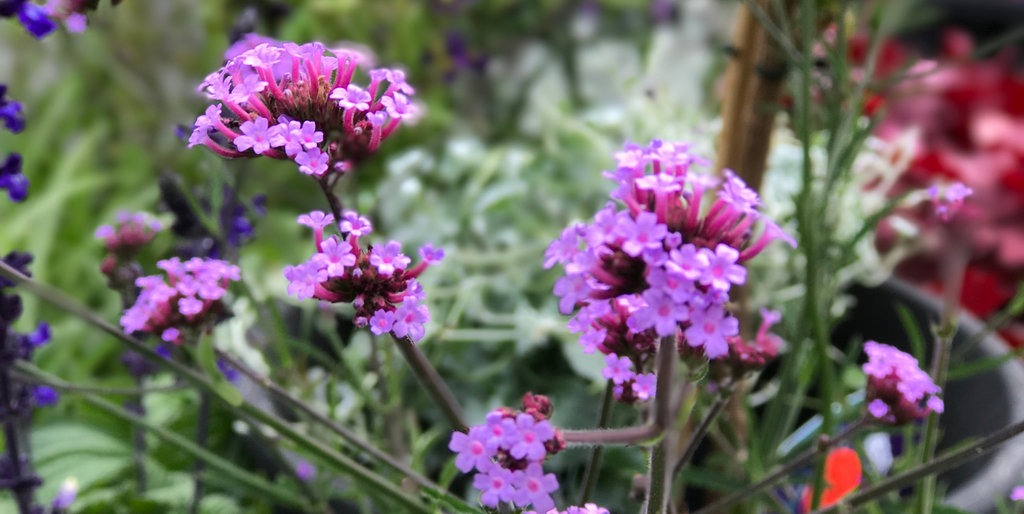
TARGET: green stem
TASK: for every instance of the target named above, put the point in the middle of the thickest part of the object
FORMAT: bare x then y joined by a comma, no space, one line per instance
955,267
253,482
339,462
432,382
202,434
809,230
594,464
659,479
700,432
341,430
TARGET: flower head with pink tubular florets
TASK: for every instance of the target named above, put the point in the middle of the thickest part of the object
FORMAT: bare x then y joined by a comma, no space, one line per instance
378,281
309,91
188,301
664,259
898,391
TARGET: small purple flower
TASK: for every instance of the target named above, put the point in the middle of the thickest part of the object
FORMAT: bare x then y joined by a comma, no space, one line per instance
645,386
316,219
672,283
659,183
398,107
415,291
662,313
354,224
312,162
878,408
250,85
254,136
309,136
305,471
231,374
409,319
710,328
534,487
204,124
496,484
162,351
336,255
388,258
1018,493
304,278
644,232
532,436
66,495
352,97
104,231
592,338
45,396
377,118
35,19
190,306
10,112
736,193
382,321
572,289
499,433
720,268
472,449
170,334
617,369
588,315
563,249
603,229
12,179
286,134
40,336
431,255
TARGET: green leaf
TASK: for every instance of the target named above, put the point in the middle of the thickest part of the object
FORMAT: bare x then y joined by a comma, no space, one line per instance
449,503
982,365
913,331
448,474
207,358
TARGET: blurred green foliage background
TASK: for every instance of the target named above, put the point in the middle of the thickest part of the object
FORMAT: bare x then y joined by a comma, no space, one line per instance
525,102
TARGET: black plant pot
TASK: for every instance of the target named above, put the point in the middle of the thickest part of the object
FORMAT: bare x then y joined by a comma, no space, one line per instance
975,406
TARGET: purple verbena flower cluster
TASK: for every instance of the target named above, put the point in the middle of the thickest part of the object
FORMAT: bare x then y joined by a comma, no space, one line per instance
897,387
378,281
660,266
126,238
949,201
295,102
11,177
187,303
507,451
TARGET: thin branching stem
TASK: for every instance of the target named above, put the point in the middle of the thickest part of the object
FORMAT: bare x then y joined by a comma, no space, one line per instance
594,464
431,380
947,461
345,433
805,458
701,431
336,461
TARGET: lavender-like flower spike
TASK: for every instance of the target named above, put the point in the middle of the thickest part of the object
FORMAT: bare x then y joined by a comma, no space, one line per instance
10,112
